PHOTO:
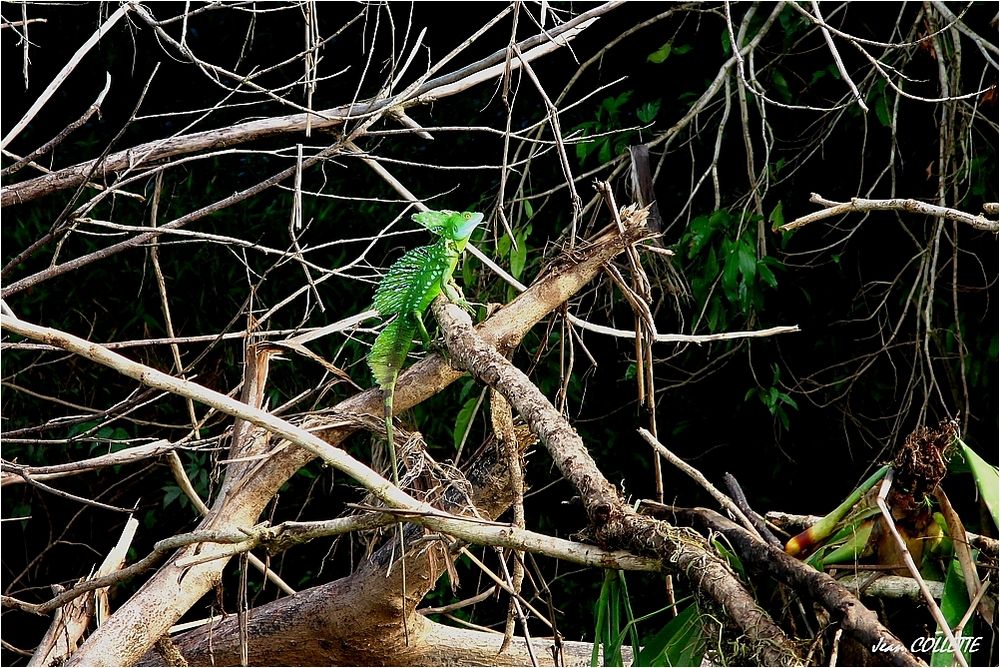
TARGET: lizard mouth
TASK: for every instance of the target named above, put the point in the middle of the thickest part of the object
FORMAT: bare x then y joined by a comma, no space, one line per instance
464,228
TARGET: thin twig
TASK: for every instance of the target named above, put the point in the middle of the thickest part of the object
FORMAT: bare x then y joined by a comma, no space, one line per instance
890,524
684,338
845,75
94,107
64,73
699,478
858,204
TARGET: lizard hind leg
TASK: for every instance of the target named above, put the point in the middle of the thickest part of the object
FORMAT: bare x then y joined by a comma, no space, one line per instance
422,329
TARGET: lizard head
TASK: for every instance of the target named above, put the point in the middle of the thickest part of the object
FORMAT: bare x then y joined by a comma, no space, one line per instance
465,223
452,225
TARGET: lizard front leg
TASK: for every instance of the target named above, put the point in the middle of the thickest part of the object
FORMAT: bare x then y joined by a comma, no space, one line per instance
454,294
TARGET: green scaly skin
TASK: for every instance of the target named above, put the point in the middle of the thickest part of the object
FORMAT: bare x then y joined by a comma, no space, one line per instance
407,289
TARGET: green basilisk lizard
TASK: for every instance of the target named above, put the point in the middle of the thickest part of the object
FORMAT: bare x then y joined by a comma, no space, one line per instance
407,289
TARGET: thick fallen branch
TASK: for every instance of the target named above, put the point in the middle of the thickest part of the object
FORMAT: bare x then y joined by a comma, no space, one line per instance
333,623
612,522
172,590
856,619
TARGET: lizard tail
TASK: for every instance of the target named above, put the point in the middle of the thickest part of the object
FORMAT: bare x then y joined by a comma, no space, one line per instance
387,396
388,352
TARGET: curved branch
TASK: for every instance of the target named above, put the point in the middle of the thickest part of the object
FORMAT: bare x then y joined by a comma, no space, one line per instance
858,204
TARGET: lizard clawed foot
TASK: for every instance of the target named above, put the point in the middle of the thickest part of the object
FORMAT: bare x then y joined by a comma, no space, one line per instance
469,307
439,346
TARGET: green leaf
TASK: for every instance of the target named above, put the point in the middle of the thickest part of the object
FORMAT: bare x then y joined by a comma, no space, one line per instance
519,255
466,389
848,546
882,110
727,47
785,399
747,259
700,233
720,219
503,245
954,603
717,320
987,480
660,54
777,217
610,611
604,152
711,264
678,643
612,105
463,419
648,111
766,274
785,20
21,510
734,561
781,85
730,274
469,262
786,423
529,210
173,492
81,428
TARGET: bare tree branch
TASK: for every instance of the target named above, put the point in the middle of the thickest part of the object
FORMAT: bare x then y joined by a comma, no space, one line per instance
860,205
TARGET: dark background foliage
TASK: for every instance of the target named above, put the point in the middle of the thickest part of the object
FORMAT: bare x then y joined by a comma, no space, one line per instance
798,419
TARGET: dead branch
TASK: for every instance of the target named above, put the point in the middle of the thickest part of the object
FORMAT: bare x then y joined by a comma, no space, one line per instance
611,521
14,473
94,107
64,73
856,620
240,133
70,622
860,205
342,620
163,599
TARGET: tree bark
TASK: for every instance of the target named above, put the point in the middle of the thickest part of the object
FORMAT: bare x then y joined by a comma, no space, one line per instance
169,593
